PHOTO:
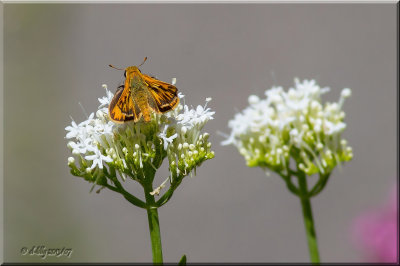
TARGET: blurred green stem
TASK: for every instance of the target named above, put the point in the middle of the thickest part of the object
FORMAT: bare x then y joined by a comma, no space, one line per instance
308,219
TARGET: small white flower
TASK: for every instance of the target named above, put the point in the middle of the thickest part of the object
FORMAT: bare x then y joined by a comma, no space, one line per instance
253,99
80,147
183,130
97,159
105,100
346,93
166,140
71,160
74,130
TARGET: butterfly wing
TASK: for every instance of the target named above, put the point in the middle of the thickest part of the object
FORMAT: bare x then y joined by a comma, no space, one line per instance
164,95
122,107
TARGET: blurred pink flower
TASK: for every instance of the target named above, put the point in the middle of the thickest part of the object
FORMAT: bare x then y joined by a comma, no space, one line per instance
375,232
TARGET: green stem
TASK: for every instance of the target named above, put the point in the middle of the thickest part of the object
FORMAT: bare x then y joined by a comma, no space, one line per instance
323,179
289,184
308,219
154,226
120,189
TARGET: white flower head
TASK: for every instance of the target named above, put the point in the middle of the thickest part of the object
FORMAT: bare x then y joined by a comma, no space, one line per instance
291,124
132,147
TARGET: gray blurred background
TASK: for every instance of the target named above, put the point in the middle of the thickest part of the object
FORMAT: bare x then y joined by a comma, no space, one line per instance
56,55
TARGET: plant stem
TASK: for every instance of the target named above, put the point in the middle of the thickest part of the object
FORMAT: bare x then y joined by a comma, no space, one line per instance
308,219
154,226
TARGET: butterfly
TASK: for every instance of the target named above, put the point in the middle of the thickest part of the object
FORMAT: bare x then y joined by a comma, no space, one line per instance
140,95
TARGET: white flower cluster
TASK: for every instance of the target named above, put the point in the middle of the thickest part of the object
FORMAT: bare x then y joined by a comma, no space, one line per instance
292,124
131,148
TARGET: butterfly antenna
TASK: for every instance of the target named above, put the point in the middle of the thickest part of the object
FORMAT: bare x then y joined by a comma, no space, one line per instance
115,67
144,60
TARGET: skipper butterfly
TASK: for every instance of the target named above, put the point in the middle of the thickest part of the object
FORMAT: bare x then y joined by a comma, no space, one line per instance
140,95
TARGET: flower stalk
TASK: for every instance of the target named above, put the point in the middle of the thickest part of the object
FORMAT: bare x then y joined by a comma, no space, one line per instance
308,219
155,235
154,225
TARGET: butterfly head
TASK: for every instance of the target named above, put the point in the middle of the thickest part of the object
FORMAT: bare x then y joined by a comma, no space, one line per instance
130,70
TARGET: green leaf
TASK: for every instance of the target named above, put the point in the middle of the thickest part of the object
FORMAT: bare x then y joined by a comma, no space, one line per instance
183,260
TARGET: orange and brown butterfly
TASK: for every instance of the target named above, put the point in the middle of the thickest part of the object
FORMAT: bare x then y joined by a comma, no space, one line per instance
140,95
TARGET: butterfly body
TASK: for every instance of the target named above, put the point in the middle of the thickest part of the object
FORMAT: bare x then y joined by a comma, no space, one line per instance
140,96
